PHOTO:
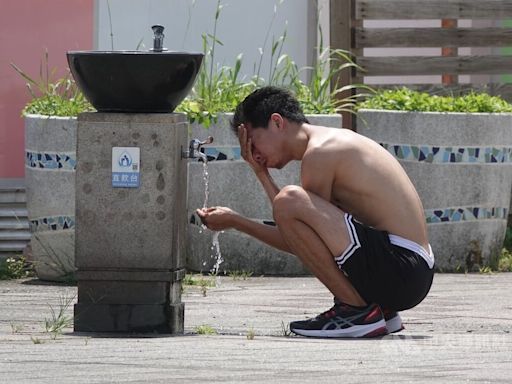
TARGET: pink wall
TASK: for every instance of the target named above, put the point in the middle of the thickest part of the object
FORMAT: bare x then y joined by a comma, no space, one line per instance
27,29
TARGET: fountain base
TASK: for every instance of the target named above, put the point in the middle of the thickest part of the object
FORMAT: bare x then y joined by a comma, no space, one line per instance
130,237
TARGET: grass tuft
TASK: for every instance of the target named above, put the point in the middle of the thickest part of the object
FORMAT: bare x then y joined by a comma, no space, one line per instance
205,330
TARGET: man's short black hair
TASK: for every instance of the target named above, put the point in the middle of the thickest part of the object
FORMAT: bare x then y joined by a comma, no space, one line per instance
257,108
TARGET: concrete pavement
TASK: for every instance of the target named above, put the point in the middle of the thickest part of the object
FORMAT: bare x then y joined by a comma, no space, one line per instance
461,333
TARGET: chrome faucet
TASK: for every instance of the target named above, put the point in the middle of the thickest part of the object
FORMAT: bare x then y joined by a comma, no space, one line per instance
158,38
194,149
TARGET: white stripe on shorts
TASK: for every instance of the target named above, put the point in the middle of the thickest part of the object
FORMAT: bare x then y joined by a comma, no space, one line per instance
354,241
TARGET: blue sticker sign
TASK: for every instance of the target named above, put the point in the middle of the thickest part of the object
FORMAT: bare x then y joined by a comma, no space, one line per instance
125,167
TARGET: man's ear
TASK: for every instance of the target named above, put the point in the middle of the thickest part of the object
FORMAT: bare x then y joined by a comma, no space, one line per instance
277,119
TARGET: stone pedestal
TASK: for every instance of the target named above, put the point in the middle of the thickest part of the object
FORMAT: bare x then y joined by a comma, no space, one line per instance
130,254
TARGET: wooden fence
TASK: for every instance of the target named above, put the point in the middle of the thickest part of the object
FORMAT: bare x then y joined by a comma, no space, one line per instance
348,31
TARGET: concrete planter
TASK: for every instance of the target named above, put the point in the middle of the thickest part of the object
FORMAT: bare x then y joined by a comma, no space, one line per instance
233,184
461,165
50,161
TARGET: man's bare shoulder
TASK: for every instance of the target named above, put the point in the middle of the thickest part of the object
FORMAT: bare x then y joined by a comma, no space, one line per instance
326,141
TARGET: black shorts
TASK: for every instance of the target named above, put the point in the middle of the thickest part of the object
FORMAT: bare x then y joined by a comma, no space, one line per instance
392,276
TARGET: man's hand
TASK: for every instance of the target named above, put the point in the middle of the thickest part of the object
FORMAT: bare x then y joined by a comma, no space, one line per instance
246,150
217,218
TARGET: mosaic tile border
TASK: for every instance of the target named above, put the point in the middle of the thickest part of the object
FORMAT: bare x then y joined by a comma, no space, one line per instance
406,152
53,223
442,155
55,161
451,215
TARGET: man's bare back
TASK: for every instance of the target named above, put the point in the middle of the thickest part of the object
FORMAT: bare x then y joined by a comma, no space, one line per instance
365,181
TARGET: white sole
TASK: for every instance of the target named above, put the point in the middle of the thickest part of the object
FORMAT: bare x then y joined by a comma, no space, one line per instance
368,330
395,324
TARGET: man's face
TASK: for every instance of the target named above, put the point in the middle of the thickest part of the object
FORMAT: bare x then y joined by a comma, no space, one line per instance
265,145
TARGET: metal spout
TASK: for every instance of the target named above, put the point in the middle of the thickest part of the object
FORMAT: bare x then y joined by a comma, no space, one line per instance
194,151
158,39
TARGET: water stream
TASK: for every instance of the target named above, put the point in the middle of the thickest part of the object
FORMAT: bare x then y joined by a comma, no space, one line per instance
215,248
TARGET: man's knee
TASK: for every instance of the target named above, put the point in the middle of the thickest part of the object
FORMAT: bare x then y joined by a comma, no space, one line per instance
287,201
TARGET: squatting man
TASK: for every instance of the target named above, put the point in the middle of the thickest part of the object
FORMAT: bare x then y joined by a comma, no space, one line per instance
356,222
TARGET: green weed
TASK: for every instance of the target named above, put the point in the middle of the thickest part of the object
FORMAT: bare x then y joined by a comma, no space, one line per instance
15,268
505,261
36,340
205,330
239,275
251,333
285,329
59,261
198,280
59,320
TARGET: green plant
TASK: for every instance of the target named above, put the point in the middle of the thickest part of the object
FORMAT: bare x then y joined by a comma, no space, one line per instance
319,96
487,270
59,260
405,99
36,340
239,275
251,333
191,279
200,281
216,88
53,97
15,268
285,329
59,320
221,89
505,261
205,330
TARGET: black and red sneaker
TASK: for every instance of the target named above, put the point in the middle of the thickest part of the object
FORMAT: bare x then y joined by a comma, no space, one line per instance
343,320
393,320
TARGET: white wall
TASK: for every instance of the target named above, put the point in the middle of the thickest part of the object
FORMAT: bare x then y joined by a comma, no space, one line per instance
242,27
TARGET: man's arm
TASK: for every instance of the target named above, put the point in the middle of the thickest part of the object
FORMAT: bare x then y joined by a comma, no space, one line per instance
220,218
260,171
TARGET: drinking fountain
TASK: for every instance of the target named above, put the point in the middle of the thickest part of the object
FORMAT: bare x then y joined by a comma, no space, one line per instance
131,188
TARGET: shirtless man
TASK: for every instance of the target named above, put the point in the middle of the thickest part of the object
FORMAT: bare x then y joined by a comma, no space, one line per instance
356,222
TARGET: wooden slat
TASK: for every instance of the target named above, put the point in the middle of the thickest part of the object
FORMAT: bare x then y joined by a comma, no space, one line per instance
432,37
340,17
433,9
435,65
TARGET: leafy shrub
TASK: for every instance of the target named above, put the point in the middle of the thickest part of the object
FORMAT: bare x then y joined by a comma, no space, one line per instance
221,89
14,268
404,99
51,97
505,261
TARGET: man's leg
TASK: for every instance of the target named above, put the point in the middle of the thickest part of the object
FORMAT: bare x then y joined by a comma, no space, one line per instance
316,232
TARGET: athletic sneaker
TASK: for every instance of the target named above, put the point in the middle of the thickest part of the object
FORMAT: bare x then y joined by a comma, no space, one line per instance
393,320
343,320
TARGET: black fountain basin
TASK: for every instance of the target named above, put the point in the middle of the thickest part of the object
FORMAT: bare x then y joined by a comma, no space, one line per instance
134,81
